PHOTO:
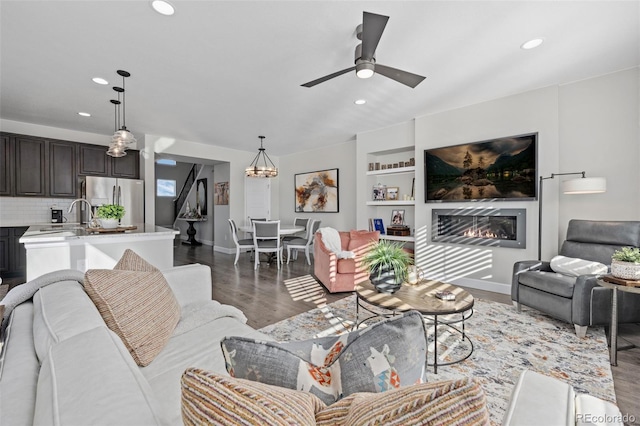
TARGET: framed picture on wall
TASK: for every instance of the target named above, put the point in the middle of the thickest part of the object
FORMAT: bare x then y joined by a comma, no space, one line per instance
201,196
221,196
317,192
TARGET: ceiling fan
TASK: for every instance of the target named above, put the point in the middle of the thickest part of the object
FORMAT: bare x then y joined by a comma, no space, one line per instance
370,32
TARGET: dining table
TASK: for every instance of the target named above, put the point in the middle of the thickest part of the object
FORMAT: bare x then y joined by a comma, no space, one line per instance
284,231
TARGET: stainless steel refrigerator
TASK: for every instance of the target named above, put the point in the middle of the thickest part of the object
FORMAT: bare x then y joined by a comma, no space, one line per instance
128,193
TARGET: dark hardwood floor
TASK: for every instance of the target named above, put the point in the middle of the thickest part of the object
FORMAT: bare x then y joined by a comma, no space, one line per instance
264,299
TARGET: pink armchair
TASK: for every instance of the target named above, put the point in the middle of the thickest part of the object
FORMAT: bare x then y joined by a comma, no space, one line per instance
340,275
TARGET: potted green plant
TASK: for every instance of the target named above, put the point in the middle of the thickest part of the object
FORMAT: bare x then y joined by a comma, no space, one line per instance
109,215
388,265
625,263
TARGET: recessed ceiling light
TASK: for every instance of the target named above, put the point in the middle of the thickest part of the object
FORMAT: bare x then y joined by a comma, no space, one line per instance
84,114
360,102
163,7
99,80
532,44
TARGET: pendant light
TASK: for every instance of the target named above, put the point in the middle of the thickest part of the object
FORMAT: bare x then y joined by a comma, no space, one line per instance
116,148
259,166
122,137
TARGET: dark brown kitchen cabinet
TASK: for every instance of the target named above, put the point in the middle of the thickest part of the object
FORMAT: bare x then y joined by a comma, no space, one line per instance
127,166
93,160
12,253
6,165
62,169
30,166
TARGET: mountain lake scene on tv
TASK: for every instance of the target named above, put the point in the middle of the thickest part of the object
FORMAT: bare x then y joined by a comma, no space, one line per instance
501,168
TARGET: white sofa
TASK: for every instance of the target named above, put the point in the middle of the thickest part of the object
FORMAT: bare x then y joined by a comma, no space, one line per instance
61,365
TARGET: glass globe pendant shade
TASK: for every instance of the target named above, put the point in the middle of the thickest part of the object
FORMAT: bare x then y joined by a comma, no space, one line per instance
116,150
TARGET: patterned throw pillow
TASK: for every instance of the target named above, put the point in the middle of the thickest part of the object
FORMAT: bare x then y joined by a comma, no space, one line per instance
456,402
384,356
208,398
131,261
138,306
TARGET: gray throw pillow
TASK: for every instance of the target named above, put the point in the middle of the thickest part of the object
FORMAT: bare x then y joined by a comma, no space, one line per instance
383,356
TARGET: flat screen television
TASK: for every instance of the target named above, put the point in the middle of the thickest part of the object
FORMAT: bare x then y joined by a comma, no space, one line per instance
496,169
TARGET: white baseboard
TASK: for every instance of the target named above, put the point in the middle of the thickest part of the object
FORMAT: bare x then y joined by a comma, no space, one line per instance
224,250
204,242
483,285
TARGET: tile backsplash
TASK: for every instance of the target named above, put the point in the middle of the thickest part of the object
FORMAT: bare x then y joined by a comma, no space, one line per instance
24,211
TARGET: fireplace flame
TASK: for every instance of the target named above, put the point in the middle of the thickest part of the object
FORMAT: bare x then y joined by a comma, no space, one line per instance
479,234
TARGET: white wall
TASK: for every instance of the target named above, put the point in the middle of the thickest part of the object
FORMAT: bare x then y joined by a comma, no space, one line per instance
529,112
599,134
340,156
222,233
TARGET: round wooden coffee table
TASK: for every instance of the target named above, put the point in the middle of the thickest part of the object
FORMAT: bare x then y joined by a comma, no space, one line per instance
422,298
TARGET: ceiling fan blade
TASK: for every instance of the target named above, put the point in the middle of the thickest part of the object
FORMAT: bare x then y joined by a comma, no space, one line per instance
327,77
404,77
372,28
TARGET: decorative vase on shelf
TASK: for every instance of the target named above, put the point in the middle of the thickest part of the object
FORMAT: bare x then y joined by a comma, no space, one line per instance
109,223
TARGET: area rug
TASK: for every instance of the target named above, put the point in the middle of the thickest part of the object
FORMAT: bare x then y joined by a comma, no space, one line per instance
505,343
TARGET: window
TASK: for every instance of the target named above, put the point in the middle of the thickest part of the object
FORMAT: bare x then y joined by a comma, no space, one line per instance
165,188
166,162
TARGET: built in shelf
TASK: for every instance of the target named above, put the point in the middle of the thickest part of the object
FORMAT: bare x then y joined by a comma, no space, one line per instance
392,203
396,171
407,239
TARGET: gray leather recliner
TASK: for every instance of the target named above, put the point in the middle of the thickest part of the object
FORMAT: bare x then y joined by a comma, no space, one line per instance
579,301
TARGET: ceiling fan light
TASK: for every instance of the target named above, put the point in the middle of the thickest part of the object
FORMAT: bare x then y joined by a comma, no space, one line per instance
365,70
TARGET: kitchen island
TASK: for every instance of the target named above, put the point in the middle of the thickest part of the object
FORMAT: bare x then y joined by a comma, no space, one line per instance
72,246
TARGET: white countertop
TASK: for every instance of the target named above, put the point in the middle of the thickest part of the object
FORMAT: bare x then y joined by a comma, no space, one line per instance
51,232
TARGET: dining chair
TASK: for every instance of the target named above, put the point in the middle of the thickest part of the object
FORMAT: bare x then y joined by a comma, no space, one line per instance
298,221
266,239
303,243
241,244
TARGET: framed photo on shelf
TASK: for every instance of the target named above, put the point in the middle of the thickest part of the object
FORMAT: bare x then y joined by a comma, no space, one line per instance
392,193
378,225
397,217
379,193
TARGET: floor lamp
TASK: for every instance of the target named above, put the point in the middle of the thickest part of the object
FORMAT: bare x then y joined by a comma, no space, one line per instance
581,185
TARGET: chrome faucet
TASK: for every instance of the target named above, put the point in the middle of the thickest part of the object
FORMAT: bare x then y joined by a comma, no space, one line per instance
92,223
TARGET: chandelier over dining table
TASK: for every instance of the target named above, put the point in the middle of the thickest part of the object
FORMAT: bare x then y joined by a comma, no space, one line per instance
262,166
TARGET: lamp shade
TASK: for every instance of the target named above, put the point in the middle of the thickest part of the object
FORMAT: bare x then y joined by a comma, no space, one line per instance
586,185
